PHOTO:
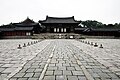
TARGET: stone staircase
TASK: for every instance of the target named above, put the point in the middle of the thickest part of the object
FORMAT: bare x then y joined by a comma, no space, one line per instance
57,36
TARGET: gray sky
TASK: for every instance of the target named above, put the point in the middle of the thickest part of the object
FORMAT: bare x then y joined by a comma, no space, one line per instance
105,11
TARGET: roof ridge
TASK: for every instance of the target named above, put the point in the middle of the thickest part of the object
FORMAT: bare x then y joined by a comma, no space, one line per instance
27,21
72,17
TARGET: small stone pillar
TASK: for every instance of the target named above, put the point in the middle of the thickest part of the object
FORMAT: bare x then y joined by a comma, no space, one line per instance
88,42
19,47
91,43
24,45
28,44
95,45
31,42
101,46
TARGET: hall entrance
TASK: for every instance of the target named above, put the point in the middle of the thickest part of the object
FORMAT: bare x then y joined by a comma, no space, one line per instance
60,30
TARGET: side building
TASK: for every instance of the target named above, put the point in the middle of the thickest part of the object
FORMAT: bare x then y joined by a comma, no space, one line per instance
25,28
98,31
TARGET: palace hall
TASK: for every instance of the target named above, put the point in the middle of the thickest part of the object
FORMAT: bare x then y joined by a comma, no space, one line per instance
54,25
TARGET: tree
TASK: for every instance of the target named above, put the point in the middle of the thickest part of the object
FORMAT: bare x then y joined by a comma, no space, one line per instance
92,24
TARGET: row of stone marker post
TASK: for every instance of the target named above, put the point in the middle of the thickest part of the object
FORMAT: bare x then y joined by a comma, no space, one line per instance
28,44
92,44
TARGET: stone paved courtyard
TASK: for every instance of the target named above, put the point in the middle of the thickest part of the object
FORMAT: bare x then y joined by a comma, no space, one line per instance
60,59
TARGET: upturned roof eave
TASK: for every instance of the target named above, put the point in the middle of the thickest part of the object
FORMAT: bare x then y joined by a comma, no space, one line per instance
57,20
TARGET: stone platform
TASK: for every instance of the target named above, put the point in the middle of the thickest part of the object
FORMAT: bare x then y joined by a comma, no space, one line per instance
56,59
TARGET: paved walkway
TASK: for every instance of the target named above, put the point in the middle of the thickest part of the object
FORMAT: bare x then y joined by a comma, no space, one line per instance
62,60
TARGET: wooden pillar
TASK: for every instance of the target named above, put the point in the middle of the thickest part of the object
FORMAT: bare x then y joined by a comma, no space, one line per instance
48,28
55,29
64,30
58,30
71,29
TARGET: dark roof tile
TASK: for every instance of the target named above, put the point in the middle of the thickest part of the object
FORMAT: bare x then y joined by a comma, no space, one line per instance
59,20
24,28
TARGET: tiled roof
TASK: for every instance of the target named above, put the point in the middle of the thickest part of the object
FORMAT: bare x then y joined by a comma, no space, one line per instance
17,29
97,29
6,29
24,28
25,25
26,22
105,29
80,29
59,20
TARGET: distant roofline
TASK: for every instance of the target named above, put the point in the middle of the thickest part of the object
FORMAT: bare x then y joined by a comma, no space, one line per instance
59,17
59,20
27,19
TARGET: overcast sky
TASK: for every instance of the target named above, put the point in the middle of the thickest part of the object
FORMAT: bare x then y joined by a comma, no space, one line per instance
105,11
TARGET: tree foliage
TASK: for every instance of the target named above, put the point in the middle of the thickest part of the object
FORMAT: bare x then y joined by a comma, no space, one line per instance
92,24
96,24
